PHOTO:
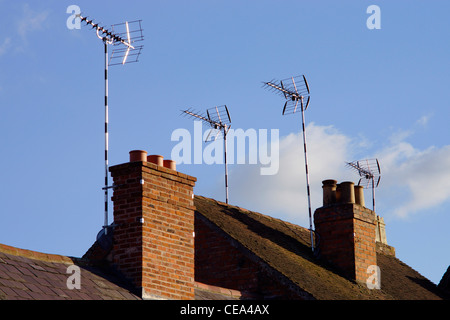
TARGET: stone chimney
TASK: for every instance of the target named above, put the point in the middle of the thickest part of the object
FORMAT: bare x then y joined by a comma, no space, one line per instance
153,244
346,230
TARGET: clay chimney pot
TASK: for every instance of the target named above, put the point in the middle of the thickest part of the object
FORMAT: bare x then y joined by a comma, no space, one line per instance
138,155
156,159
171,164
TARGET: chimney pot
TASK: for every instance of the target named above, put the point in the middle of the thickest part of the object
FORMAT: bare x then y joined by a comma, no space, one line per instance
156,159
329,192
359,195
138,155
345,192
171,164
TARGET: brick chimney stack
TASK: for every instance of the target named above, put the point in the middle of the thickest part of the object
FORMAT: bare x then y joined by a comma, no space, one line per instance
153,242
346,230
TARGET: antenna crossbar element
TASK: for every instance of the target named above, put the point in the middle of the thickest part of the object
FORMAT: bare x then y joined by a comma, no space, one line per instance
197,115
126,34
295,90
218,118
132,31
369,170
219,115
124,37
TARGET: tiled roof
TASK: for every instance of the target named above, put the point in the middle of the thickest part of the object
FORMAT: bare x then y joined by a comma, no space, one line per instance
285,248
31,275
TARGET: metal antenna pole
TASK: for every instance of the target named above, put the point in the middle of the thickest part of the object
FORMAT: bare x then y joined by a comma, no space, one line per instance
294,93
226,166
373,195
307,174
125,35
219,119
106,135
105,42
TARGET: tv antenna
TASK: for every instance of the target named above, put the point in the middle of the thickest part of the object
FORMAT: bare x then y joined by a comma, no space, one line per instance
295,90
369,171
123,37
220,121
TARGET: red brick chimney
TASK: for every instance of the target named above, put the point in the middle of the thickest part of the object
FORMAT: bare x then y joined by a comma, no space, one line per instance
346,230
153,242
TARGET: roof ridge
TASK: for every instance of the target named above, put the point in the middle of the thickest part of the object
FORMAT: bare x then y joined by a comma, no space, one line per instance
35,255
290,225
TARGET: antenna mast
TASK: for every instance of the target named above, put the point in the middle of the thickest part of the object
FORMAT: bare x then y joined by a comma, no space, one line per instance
125,52
219,119
369,171
295,90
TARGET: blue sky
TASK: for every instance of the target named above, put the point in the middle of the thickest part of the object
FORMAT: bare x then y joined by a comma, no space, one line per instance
374,93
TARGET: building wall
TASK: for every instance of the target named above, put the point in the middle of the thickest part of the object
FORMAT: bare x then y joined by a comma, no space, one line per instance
222,261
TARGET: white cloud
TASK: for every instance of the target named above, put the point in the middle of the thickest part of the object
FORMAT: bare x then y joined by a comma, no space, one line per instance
5,45
27,23
423,121
413,180
285,192
30,21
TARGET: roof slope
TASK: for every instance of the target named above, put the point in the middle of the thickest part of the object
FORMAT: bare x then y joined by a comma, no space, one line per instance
403,282
285,247
30,275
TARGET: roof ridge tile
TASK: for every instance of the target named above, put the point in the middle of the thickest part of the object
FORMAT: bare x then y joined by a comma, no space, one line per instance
35,255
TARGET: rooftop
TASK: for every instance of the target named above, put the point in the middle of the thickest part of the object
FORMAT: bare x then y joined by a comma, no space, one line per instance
283,247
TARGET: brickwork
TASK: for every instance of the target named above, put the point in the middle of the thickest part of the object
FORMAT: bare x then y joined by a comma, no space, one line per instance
346,237
154,225
365,248
221,261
